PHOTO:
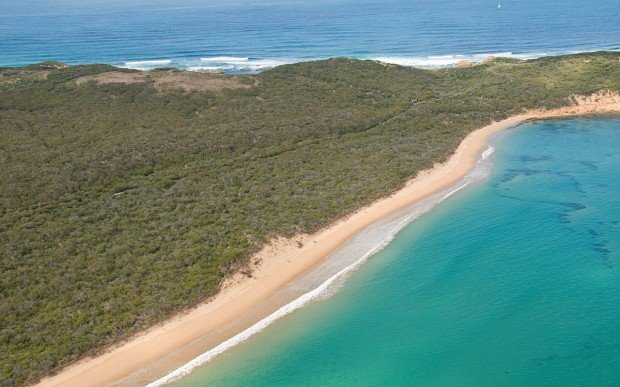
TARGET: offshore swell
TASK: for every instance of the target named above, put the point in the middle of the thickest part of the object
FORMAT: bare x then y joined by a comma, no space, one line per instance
249,36
355,253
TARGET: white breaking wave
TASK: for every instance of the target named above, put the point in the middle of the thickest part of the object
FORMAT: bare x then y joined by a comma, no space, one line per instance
260,64
150,62
225,59
487,152
454,191
207,68
243,64
419,61
239,64
147,64
215,63
450,60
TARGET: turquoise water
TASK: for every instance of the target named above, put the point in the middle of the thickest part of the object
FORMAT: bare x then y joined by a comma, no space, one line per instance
514,280
252,35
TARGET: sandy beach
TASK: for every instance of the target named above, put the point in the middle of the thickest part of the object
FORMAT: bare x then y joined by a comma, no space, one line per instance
284,260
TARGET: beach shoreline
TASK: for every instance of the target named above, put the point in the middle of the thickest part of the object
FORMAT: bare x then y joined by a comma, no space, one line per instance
283,260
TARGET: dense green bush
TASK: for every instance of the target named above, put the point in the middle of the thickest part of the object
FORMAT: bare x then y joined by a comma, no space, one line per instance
121,204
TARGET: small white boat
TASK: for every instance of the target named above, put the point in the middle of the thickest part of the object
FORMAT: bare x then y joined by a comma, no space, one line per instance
499,6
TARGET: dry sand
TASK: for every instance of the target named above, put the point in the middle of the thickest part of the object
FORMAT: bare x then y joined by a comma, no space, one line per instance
283,260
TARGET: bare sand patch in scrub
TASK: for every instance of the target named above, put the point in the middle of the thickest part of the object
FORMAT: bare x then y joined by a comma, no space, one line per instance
171,80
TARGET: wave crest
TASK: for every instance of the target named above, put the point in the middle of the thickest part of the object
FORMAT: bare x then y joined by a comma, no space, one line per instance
225,59
147,64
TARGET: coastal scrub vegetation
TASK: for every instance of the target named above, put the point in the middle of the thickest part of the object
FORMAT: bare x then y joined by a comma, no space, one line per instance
122,203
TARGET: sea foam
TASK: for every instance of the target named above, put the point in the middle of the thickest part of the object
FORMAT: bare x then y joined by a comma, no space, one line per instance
450,60
244,64
226,59
147,64
488,152
237,64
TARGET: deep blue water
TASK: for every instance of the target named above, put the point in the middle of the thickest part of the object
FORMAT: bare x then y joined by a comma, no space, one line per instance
257,34
514,281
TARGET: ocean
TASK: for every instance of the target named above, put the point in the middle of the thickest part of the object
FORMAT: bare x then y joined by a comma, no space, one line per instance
512,280
254,35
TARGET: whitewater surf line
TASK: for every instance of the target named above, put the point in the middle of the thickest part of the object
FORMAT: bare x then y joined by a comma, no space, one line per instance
313,294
